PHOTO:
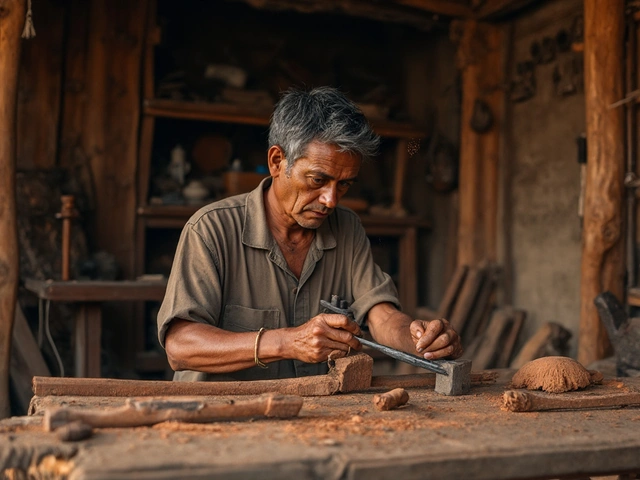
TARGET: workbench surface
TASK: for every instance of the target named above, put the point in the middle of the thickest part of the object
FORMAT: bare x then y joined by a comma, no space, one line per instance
344,436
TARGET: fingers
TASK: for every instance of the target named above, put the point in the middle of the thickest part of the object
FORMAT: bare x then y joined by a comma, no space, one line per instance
324,334
436,339
342,322
430,331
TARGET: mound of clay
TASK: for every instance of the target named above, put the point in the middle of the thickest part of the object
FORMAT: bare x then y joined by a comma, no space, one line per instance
554,375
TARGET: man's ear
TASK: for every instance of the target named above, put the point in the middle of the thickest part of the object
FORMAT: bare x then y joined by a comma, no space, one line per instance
277,160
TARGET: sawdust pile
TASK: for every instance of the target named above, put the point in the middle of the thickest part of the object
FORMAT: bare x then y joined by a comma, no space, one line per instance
553,375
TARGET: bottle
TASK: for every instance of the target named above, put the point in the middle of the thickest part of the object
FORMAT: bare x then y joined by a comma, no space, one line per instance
236,165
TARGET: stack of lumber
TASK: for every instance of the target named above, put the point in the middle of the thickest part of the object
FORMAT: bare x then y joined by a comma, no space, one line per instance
489,335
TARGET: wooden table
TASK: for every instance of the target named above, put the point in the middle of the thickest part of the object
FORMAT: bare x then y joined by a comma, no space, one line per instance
87,297
344,437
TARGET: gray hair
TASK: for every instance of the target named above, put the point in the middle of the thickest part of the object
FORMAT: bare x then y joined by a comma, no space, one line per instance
325,115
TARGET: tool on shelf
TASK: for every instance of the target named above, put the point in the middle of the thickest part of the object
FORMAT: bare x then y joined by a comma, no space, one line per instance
337,305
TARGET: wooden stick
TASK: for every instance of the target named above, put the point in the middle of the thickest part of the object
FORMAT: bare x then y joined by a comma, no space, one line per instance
390,400
305,386
349,374
138,413
522,401
11,22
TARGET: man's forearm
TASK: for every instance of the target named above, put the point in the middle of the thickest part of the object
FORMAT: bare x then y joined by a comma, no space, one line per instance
204,348
390,327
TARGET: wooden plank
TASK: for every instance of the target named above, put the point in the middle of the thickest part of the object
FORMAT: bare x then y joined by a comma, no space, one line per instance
467,298
39,89
508,346
26,360
550,339
98,290
602,239
481,312
11,22
492,339
480,58
451,293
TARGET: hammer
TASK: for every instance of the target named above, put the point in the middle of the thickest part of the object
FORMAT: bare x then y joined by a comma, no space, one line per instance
453,377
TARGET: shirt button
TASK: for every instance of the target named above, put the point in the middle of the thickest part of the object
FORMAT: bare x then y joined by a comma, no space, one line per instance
295,291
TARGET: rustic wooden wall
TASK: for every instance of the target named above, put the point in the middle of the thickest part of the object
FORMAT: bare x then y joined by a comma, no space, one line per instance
78,108
480,57
101,114
39,89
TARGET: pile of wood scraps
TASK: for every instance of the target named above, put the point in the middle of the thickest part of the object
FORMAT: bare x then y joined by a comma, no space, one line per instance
489,335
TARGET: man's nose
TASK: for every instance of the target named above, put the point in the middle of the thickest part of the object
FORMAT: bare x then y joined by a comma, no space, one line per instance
329,197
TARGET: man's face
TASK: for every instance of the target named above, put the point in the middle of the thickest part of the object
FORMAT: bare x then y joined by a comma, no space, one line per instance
316,183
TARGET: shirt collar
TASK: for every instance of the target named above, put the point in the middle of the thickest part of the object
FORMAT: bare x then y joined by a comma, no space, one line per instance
255,230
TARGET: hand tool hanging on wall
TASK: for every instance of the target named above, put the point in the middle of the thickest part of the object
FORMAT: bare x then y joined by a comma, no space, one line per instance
67,213
342,307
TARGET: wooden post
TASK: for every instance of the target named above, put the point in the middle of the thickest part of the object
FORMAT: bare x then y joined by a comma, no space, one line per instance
602,239
480,59
11,22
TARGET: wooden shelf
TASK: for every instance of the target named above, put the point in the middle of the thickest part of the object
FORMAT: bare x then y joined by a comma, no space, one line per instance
166,216
227,113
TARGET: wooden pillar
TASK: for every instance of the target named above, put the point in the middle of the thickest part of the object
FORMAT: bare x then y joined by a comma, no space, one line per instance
11,22
602,235
480,57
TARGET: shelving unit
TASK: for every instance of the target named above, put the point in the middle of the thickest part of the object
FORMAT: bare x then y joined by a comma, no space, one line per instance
403,228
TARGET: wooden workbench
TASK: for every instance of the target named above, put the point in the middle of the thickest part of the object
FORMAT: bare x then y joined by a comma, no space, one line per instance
344,437
88,296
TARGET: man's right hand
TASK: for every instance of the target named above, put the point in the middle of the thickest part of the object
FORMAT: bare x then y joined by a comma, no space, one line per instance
325,334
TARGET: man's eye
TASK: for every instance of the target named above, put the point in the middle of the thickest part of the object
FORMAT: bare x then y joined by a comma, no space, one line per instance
344,185
317,180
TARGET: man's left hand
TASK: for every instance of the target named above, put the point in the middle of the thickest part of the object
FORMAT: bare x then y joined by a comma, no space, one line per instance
435,339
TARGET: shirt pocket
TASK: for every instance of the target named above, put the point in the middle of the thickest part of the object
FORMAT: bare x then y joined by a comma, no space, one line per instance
237,318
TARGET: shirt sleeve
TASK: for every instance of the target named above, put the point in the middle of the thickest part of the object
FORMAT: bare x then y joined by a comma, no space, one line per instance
194,290
370,285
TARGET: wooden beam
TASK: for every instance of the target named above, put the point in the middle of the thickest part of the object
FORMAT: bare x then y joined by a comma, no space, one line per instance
602,239
448,8
387,11
480,59
493,9
11,22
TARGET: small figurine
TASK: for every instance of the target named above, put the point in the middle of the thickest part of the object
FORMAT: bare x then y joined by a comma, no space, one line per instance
178,167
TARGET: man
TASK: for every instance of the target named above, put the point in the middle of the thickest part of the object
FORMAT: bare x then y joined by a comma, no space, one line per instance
243,297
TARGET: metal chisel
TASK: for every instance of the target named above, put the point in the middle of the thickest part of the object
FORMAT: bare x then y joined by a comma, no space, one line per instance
342,307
